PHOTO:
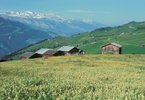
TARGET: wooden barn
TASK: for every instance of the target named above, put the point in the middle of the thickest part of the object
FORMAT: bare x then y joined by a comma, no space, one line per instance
30,55
3,59
70,50
53,53
111,48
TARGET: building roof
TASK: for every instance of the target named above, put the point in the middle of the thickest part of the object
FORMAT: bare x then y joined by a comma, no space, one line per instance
27,54
51,52
42,51
113,43
66,48
118,45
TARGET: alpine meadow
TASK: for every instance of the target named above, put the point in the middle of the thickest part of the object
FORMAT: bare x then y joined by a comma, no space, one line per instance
86,77
72,50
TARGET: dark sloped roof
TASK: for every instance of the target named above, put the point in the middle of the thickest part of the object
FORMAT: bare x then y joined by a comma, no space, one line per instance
113,43
28,54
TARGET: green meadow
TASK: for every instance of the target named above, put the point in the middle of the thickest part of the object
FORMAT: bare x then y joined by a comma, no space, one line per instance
86,77
131,36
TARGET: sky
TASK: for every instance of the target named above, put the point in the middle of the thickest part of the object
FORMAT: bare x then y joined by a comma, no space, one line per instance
109,12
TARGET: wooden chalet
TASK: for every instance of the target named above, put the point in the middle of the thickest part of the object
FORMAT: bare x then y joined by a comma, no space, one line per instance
70,50
30,55
111,48
53,53
3,59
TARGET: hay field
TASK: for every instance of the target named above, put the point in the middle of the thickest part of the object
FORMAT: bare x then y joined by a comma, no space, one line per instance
87,77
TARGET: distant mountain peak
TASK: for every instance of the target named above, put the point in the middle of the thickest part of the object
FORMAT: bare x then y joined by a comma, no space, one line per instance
52,22
30,14
25,14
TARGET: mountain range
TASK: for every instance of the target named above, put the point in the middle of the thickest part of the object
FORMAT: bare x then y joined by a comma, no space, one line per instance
20,29
51,22
131,36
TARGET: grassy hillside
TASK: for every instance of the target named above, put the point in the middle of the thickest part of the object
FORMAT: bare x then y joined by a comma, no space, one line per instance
15,35
131,36
96,77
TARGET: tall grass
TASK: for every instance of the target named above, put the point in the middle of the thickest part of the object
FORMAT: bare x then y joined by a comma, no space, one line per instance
89,77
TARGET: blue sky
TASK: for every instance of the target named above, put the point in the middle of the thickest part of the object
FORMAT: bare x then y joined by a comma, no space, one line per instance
110,12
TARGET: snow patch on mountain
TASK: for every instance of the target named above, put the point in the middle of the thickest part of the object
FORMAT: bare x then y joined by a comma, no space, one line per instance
30,14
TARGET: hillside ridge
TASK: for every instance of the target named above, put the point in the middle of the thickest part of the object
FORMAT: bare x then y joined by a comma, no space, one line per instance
131,36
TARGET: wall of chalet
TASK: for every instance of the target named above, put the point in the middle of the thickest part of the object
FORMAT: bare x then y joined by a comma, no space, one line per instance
111,49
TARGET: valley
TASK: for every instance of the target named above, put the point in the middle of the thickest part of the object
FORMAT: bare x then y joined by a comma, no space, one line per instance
131,36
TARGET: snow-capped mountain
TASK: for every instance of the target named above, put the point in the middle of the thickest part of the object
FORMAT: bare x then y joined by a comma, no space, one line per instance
29,14
52,22
20,29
